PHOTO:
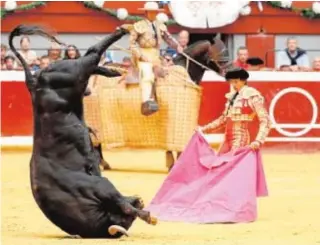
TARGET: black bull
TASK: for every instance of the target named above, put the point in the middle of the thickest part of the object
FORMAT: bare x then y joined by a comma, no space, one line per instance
65,177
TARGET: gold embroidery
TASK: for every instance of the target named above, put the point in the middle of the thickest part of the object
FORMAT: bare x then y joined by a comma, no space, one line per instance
265,123
141,26
236,133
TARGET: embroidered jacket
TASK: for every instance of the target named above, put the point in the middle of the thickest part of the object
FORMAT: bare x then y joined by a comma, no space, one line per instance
246,106
144,36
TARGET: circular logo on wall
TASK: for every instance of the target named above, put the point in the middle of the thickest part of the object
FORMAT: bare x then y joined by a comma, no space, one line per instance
305,127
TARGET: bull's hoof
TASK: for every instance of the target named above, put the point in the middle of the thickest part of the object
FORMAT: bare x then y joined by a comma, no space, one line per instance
105,165
153,220
136,202
139,203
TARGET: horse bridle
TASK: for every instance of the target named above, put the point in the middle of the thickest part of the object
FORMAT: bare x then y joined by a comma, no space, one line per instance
203,66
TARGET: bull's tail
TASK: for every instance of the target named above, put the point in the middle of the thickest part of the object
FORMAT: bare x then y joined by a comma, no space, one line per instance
28,30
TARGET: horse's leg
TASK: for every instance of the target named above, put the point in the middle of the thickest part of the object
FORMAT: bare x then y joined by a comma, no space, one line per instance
178,154
172,161
169,160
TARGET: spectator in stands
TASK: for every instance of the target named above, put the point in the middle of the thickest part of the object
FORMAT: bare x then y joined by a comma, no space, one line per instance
183,40
29,55
293,56
316,64
9,63
284,68
4,49
44,61
242,56
108,57
36,65
131,76
54,52
71,52
126,62
167,60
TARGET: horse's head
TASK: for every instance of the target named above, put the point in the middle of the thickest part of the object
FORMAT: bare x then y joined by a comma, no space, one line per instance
198,58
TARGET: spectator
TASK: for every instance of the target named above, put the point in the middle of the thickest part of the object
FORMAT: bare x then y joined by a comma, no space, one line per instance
242,56
284,68
9,63
126,62
108,57
183,39
4,49
72,52
167,60
316,64
132,76
44,61
293,56
36,66
54,52
30,56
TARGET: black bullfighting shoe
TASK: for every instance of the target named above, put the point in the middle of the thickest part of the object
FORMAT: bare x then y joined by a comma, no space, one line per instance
149,107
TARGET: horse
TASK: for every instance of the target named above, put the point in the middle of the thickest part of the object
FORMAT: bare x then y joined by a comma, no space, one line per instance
196,59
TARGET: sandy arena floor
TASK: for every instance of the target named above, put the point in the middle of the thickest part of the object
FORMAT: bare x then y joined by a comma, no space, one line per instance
290,216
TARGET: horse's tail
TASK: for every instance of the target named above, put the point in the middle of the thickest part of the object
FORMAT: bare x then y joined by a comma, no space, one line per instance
28,30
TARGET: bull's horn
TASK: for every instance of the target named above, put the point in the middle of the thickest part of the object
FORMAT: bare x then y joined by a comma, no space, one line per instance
113,229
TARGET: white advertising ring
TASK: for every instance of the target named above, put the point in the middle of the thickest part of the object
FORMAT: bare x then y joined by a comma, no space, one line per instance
311,125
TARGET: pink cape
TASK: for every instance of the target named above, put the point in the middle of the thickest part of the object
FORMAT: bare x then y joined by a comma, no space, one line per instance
204,187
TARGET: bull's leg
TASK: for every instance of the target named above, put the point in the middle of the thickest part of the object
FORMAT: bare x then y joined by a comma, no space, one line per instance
135,201
130,210
169,160
107,193
102,71
178,154
103,162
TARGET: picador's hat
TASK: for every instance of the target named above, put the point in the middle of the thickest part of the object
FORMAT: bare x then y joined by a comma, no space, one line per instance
237,73
254,61
151,6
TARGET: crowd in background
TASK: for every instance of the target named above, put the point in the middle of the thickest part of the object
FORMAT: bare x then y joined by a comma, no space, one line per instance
293,58
54,53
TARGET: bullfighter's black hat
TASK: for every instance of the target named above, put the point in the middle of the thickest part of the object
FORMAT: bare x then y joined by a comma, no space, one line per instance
255,61
237,73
